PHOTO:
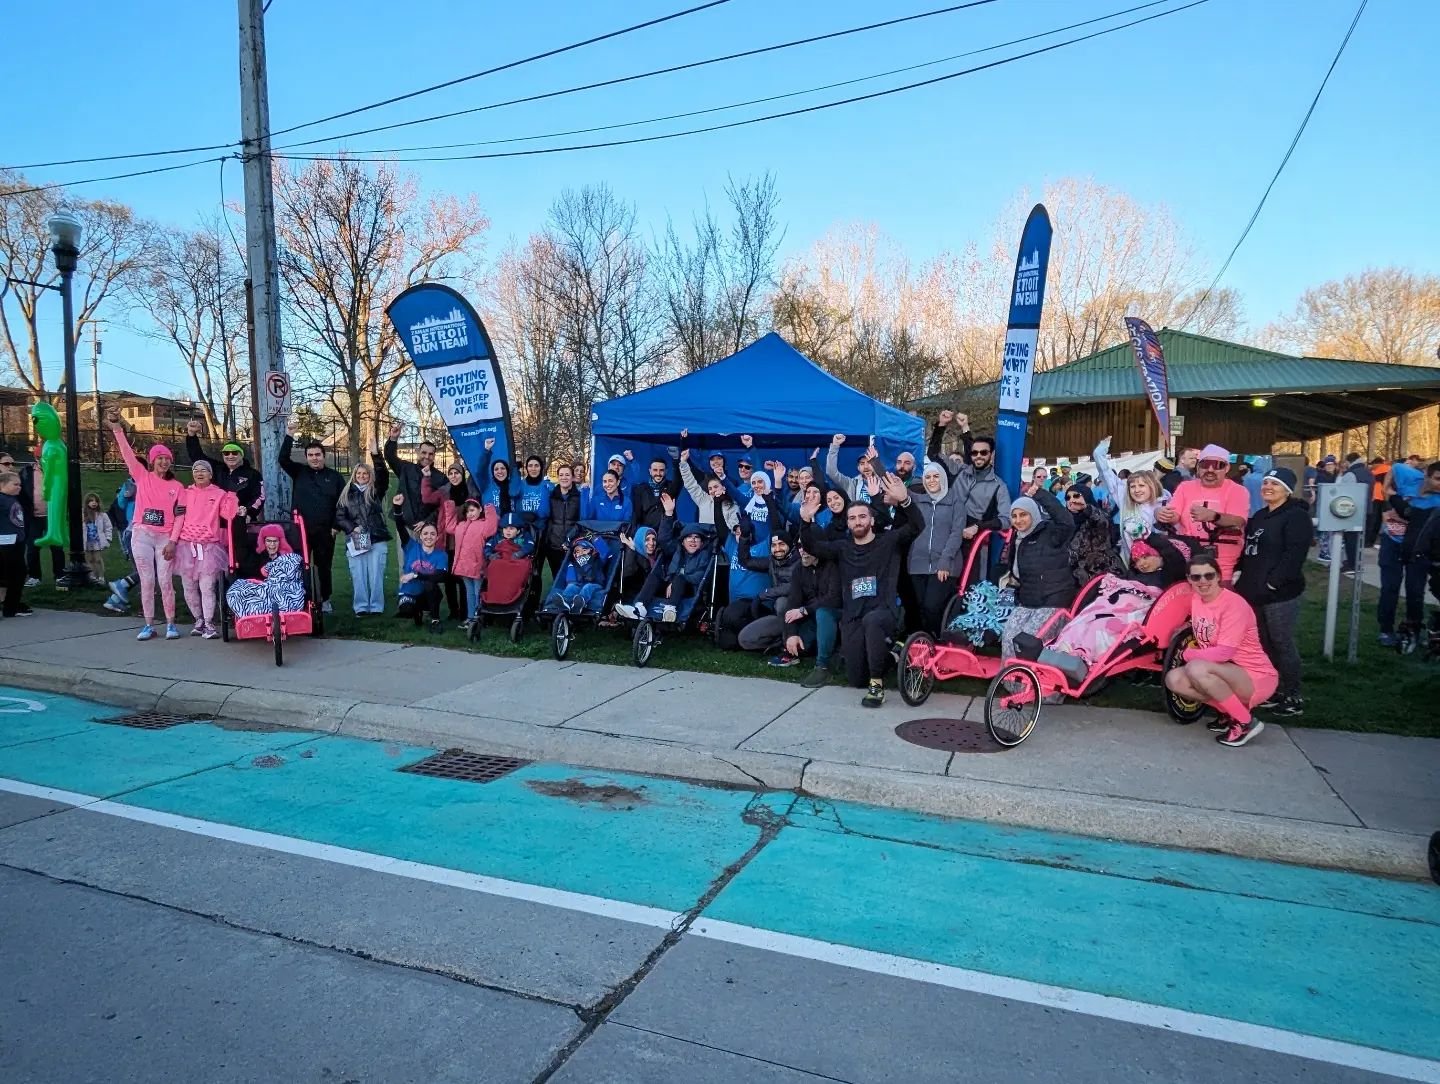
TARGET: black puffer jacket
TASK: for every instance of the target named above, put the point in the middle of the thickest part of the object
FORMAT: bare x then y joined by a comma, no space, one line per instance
354,511
1040,563
313,493
563,515
815,587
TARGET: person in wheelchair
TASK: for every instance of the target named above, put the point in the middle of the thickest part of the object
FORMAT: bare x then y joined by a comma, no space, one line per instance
676,577
279,583
580,585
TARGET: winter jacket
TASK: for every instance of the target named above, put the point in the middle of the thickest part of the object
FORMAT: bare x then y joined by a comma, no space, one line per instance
443,501
814,587
596,504
1040,562
1272,564
408,482
470,538
869,573
562,512
578,573
1091,551
357,513
155,497
12,524
986,497
244,481
856,488
691,567
937,547
645,498
704,503
781,572
313,493
103,533
204,514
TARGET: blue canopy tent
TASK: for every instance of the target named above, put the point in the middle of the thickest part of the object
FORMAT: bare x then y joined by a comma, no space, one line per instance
770,390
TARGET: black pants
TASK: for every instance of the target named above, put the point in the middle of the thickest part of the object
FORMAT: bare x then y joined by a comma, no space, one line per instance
865,645
931,597
35,527
1373,521
12,576
322,555
428,600
654,587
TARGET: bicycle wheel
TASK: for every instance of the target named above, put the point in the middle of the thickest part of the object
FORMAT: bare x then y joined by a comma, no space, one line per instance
643,643
917,678
1012,704
1177,707
560,636
277,636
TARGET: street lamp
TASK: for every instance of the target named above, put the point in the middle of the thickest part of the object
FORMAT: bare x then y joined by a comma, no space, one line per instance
65,233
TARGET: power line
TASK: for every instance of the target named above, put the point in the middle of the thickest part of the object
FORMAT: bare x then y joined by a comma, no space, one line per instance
376,105
507,66
111,177
756,120
618,80
770,98
1281,168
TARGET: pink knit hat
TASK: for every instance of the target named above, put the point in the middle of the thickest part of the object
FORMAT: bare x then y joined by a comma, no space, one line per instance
156,451
271,530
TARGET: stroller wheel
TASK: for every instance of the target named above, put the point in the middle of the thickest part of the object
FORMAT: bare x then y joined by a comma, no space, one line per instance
473,633
560,636
1181,710
1012,704
916,679
517,628
643,643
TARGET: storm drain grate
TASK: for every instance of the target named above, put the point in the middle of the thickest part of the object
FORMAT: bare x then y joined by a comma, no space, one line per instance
948,735
149,720
466,767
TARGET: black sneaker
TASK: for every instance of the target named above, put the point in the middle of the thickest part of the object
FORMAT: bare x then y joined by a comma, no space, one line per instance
1240,733
1220,724
1288,708
1272,701
874,696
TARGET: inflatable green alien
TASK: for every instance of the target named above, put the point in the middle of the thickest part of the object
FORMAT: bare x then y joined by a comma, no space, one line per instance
55,469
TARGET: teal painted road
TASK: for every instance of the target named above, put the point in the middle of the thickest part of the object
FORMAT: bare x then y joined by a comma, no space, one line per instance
1320,953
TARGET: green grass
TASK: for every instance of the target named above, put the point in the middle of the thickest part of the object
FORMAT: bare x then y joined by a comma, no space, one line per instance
1382,693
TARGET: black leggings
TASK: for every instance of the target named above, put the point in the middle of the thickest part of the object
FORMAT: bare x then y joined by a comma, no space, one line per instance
931,597
865,645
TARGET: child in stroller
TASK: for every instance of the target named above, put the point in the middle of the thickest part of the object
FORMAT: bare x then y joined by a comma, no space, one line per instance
676,578
509,564
581,582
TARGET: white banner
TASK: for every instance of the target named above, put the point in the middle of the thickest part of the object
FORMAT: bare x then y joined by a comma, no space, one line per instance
465,392
1017,369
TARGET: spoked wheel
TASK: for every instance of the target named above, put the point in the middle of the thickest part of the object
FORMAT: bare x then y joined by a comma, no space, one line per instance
643,643
517,628
560,636
317,605
1181,710
917,677
1012,704
276,634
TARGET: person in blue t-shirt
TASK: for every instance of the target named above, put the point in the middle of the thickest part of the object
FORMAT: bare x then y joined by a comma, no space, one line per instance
424,572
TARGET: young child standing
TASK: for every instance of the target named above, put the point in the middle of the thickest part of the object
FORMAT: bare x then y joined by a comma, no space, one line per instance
205,510
12,545
475,527
99,533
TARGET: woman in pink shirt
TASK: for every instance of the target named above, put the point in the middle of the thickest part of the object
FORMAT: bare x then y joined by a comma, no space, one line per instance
195,545
1228,668
157,492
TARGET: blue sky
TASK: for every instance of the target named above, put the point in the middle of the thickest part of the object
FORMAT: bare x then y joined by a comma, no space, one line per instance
1192,111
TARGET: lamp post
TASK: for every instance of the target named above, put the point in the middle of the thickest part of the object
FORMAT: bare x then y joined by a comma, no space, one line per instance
65,233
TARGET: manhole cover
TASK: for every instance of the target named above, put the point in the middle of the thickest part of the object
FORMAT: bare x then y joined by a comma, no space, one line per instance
149,720
948,735
466,767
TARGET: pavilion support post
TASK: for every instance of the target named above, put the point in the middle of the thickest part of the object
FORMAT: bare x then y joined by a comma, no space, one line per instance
1371,431
1404,435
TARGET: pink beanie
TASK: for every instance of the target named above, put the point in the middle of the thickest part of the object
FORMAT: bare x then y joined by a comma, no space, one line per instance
271,530
156,451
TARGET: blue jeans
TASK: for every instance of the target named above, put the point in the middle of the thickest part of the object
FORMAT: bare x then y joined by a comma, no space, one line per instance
367,574
1395,574
579,597
472,596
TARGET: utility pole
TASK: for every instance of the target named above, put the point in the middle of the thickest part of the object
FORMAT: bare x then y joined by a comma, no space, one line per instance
95,393
267,367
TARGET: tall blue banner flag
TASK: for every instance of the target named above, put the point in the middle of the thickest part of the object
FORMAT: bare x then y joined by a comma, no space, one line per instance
1018,367
1150,357
452,352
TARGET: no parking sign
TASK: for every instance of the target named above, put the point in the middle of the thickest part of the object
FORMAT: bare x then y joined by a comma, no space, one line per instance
275,392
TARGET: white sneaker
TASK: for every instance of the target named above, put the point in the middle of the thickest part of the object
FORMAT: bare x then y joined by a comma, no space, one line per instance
32,582
326,608
627,611
668,613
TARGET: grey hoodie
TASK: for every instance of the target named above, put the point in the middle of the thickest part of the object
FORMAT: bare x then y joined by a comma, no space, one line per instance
937,546
981,489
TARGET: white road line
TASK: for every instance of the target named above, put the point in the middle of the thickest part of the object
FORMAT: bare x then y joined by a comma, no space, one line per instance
344,856
1200,1025
1059,997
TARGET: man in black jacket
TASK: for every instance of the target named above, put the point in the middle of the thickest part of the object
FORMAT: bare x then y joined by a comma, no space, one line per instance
645,496
869,571
814,614
232,473
1272,579
314,494
407,481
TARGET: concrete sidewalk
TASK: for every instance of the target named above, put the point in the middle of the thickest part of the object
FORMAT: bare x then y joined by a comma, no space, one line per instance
1352,801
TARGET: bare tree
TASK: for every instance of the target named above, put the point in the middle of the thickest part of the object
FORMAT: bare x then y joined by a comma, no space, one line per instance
194,294
113,253
352,238
715,289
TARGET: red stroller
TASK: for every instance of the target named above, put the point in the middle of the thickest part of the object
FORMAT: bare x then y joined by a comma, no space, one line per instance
505,592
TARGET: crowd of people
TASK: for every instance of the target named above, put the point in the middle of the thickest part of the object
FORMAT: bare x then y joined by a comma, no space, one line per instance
800,560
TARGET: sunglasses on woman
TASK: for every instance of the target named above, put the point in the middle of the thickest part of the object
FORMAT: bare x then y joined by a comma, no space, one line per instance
1203,577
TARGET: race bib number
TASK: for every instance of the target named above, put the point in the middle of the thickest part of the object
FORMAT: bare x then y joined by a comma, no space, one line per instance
153,517
864,587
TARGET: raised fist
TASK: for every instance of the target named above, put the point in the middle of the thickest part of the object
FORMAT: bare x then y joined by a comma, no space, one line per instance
292,428
746,440
489,444
945,417
394,430
192,427
837,440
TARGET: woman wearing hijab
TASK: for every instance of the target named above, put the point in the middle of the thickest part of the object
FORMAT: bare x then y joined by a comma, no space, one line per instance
1037,563
1091,551
933,554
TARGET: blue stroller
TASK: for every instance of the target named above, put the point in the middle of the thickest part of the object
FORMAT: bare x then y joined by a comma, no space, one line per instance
585,583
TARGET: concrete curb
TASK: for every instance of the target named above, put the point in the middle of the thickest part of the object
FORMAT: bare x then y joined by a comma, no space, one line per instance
1361,850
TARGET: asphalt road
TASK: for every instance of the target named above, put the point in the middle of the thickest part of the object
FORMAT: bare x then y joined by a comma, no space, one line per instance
207,905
